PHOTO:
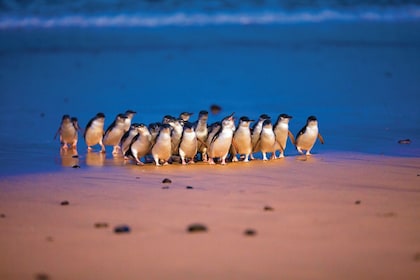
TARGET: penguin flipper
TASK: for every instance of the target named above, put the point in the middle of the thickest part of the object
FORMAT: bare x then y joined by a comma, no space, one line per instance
58,131
302,131
292,138
321,139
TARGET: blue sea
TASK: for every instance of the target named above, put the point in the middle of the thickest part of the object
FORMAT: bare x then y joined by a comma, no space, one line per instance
353,64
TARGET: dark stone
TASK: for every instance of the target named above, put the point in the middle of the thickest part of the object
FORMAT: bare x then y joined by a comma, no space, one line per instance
2,215
250,232
122,229
196,228
268,208
41,276
64,202
49,238
101,225
165,187
189,187
357,202
167,181
76,166
404,141
417,257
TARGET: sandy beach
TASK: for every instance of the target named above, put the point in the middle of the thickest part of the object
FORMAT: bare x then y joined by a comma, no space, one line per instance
330,216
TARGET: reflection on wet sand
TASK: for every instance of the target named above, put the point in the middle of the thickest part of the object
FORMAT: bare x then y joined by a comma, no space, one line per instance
95,159
69,157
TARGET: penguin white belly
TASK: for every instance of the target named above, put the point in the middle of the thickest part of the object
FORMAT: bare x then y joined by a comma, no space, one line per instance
188,146
94,134
307,140
113,137
267,143
282,132
68,133
141,147
162,148
242,140
220,147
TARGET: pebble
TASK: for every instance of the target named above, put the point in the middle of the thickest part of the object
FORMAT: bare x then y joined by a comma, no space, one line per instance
76,166
268,208
64,202
250,232
49,238
167,181
41,276
165,187
196,228
122,229
189,187
2,215
404,141
101,225
417,257
357,202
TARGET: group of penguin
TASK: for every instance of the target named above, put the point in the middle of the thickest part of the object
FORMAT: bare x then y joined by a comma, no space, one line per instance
178,138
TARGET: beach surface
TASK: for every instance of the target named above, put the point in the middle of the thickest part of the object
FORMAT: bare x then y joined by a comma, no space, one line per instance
329,216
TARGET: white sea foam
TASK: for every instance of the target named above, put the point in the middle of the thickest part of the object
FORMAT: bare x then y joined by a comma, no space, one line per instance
408,13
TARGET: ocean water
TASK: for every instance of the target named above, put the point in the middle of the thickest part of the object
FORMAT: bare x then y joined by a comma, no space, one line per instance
353,64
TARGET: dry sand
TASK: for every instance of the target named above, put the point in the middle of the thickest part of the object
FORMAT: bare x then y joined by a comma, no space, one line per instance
334,216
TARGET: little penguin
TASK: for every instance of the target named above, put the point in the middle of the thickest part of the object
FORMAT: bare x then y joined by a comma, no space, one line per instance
95,131
68,132
188,144
141,144
115,132
177,128
241,142
185,116
162,149
154,129
221,141
307,136
201,131
128,137
256,131
281,130
213,129
267,141
129,117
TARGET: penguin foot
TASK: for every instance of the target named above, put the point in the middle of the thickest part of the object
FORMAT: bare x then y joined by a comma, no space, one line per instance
299,150
139,163
211,161
235,159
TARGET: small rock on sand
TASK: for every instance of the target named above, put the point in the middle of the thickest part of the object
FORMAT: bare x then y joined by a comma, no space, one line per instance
250,232
64,202
2,215
357,202
41,276
122,229
101,225
189,187
166,181
268,208
196,228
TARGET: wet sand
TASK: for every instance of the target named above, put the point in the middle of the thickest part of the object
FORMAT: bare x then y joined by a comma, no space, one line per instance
331,216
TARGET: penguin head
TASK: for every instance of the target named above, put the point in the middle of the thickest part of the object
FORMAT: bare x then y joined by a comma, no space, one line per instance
203,115
65,117
228,122
168,118
75,122
267,124
166,128
100,115
154,127
284,118
245,121
264,117
188,126
141,128
185,116
130,114
312,120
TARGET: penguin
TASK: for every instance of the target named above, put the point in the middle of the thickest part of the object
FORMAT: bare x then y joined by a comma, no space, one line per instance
267,142
201,130
141,144
221,141
154,129
128,137
306,137
177,128
213,129
188,144
241,143
68,132
185,116
281,130
129,117
256,131
162,149
115,132
95,131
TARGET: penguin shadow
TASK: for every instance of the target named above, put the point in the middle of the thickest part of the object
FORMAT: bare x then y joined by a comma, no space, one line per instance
69,157
306,158
95,159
